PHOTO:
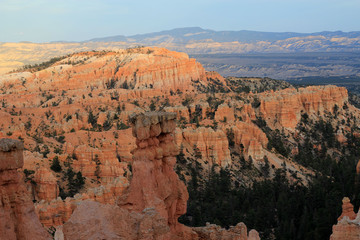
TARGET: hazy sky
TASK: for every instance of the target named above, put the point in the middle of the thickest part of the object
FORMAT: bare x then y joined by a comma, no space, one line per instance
77,20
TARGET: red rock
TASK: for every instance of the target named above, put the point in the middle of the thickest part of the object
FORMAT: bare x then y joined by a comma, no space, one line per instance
214,232
224,113
58,211
348,226
181,112
347,209
284,108
46,184
358,167
213,145
17,216
251,138
112,222
11,154
155,199
154,182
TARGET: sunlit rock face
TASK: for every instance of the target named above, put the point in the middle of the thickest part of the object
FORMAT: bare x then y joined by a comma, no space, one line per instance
284,108
155,199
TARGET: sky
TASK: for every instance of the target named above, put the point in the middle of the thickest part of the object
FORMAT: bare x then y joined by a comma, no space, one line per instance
79,20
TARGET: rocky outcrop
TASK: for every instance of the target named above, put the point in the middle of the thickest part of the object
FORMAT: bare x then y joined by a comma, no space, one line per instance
17,216
214,232
113,222
182,113
46,185
155,196
155,199
347,210
224,113
92,220
57,211
284,108
155,183
212,144
155,69
250,139
348,226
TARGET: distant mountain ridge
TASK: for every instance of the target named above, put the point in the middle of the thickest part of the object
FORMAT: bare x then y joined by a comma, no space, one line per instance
181,35
197,42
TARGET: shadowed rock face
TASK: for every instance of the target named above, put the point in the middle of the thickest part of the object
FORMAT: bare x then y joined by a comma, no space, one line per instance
17,216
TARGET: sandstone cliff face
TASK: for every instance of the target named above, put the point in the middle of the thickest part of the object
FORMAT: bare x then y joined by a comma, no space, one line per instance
213,145
137,68
155,199
348,226
46,184
284,108
155,183
250,137
17,216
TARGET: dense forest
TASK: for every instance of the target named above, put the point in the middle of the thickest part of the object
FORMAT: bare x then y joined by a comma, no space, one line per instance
274,206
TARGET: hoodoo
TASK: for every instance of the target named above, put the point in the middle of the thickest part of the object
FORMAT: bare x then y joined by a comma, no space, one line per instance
17,214
155,199
348,226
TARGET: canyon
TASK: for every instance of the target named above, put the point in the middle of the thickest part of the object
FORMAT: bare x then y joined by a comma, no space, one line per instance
104,130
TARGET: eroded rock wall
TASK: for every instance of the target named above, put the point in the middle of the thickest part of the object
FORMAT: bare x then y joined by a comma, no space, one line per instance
17,215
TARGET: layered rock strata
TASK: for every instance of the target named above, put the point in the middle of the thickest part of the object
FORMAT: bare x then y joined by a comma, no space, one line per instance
17,215
250,139
155,183
155,199
284,108
212,144
157,70
46,185
348,226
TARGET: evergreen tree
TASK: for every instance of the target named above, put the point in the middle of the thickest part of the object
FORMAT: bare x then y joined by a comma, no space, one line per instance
55,165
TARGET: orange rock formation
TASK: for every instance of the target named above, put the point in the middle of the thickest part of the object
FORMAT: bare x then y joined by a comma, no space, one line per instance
251,138
348,226
58,211
17,216
155,183
46,185
225,114
138,69
155,199
213,145
284,108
